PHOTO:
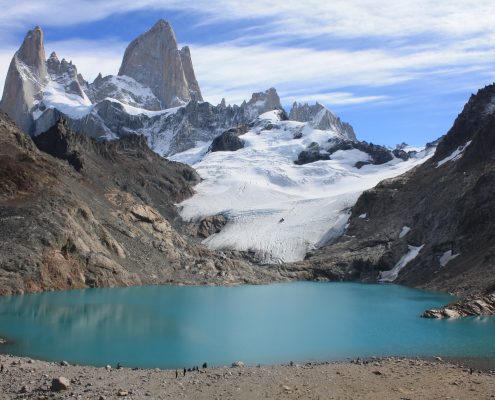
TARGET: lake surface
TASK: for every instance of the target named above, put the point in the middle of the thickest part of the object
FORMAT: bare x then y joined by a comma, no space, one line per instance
174,326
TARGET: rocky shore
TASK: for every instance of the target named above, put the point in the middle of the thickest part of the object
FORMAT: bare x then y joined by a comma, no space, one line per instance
389,378
471,306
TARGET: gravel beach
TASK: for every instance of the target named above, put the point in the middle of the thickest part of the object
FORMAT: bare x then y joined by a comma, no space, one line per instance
389,378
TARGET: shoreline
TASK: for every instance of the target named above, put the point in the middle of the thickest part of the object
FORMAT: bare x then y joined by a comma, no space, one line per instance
375,378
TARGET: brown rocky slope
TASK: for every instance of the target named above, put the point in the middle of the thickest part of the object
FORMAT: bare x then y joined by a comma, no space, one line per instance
98,214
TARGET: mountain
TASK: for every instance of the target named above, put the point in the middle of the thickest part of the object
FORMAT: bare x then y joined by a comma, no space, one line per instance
320,117
155,94
154,60
86,213
273,206
431,227
26,77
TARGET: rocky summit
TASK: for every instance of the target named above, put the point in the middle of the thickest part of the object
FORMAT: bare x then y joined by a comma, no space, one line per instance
155,94
154,60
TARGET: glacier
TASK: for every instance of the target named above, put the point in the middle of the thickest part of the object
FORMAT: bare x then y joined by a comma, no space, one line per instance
274,207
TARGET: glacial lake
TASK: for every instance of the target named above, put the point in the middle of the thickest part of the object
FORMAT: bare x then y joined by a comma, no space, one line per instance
179,326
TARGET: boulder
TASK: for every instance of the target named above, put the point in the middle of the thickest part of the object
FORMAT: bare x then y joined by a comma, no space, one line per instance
59,384
229,140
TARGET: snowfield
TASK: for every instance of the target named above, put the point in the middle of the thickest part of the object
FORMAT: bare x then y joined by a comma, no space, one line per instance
274,207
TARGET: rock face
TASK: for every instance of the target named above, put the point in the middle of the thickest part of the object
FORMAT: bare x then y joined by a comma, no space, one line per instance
482,305
321,118
154,76
435,222
26,77
260,103
87,213
65,73
377,154
154,60
211,225
123,89
229,140
192,83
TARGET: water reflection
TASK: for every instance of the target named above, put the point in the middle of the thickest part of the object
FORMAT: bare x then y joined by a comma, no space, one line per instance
181,326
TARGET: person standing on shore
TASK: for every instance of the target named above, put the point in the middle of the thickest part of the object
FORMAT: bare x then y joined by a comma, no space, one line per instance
176,374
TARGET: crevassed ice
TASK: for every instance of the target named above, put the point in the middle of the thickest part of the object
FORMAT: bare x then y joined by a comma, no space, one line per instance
276,208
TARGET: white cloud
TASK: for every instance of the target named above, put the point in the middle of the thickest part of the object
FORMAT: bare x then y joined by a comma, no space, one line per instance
345,18
463,31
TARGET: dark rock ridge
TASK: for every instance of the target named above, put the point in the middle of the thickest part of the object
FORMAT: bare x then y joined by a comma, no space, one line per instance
442,209
229,140
89,213
377,154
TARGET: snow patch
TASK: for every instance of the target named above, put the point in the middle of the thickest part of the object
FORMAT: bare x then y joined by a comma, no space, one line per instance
391,275
363,216
447,257
405,230
456,154
72,105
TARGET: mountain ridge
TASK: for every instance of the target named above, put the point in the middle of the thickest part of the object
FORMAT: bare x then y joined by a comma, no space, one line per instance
155,81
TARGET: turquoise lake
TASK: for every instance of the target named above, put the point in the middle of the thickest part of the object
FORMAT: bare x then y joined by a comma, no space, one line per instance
178,326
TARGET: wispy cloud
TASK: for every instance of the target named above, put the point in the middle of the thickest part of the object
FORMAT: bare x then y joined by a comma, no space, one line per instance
410,40
346,18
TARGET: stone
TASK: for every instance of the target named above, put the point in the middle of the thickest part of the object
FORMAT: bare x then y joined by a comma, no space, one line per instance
122,393
64,363
59,384
237,364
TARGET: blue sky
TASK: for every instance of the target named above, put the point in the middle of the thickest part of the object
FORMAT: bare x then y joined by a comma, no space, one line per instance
397,71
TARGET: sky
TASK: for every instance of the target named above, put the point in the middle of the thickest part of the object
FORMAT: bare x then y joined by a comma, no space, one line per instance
397,71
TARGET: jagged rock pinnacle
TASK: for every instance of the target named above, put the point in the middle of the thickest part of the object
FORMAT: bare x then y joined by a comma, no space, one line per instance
26,77
154,60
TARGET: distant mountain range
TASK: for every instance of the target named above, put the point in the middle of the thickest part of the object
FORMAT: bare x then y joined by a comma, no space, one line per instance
155,94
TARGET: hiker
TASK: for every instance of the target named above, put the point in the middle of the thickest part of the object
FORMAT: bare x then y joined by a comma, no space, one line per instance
119,366
176,374
184,372
1,368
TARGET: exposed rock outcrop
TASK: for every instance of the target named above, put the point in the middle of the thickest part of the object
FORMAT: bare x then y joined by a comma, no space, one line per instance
321,118
229,140
377,154
26,77
154,60
482,305
192,83
211,225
